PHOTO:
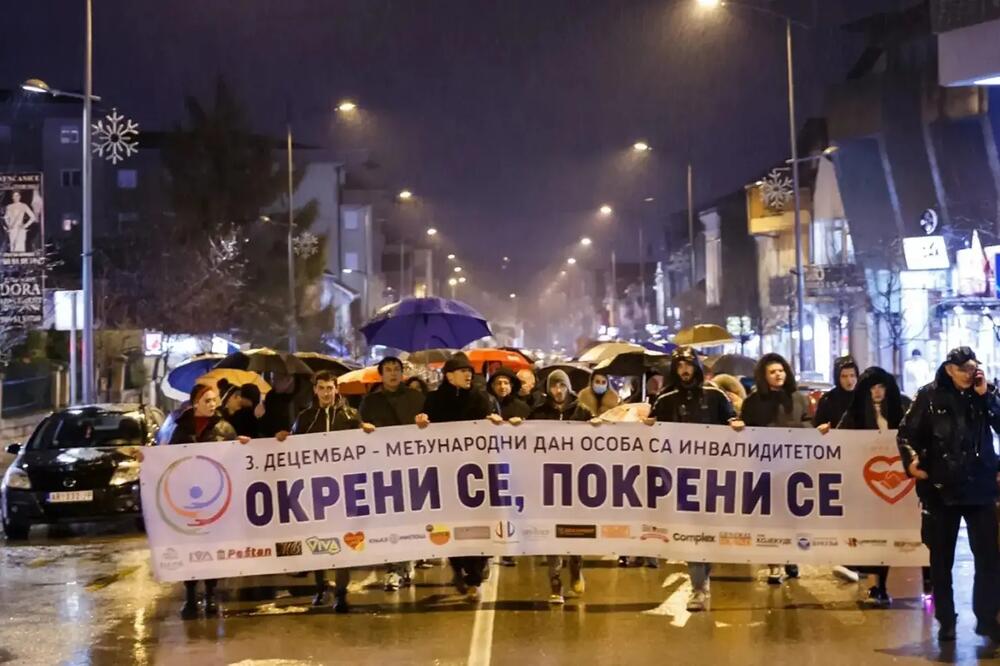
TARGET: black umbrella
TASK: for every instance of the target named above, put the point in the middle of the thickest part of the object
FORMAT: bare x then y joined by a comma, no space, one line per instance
266,360
633,364
734,364
320,362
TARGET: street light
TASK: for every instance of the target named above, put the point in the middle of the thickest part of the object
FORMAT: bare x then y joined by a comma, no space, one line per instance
800,280
571,261
432,232
513,296
606,210
406,195
641,147
347,106
461,280
451,257
586,242
457,269
649,199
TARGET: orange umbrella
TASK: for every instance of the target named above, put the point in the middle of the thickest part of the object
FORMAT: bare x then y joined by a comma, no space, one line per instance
508,359
357,382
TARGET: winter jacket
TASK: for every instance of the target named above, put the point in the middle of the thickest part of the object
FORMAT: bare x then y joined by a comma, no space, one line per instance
449,403
835,402
598,405
860,415
217,430
245,423
950,431
512,405
776,409
337,416
697,402
570,410
390,408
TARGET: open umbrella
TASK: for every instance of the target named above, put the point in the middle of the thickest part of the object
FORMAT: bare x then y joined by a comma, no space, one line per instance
357,382
429,356
578,373
266,360
664,348
324,362
178,383
703,335
608,350
413,324
234,377
508,359
734,364
633,364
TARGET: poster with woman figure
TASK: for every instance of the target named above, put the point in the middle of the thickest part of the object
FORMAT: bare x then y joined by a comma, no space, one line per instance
22,216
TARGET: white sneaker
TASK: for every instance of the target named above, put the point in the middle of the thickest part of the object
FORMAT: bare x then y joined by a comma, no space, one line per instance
556,599
698,601
845,574
393,581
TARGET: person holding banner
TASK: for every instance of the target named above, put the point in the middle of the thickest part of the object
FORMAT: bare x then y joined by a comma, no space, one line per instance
505,388
946,443
329,413
776,403
395,404
561,405
691,400
456,400
835,402
202,422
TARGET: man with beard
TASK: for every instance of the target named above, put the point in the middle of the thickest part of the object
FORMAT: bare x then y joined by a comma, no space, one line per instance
835,402
456,400
691,400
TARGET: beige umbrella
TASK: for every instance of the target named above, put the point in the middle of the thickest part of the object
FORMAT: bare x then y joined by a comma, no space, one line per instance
703,335
608,350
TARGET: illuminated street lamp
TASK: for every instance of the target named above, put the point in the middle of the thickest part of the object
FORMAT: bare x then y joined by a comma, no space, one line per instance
457,269
710,4
571,261
461,280
451,257
432,232
513,296
347,106
641,147
586,242
406,195
606,210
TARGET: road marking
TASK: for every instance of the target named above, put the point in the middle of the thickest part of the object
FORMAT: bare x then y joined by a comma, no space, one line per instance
481,647
676,604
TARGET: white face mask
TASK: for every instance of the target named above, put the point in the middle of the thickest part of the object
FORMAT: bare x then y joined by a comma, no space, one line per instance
600,389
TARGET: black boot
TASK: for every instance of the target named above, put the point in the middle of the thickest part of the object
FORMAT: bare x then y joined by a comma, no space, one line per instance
340,604
211,607
189,610
792,570
320,597
946,632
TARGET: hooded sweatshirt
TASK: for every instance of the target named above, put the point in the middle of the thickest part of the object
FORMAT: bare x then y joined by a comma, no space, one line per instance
511,406
694,402
569,410
861,414
784,408
835,402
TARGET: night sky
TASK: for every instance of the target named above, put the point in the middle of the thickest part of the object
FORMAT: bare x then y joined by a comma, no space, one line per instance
510,118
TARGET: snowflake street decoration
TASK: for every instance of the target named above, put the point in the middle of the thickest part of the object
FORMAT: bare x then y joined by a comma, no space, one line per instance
115,137
225,248
305,245
776,190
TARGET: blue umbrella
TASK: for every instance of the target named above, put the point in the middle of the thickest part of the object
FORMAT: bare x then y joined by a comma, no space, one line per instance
414,324
179,381
664,348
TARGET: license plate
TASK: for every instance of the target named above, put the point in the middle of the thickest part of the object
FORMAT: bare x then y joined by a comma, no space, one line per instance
72,496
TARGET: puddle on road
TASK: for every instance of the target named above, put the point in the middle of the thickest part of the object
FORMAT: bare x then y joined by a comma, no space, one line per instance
102,582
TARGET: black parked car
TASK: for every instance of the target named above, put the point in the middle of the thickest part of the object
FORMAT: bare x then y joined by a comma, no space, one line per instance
78,466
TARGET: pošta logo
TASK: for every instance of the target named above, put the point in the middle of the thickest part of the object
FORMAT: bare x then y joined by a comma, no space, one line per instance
323,546
193,493
248,553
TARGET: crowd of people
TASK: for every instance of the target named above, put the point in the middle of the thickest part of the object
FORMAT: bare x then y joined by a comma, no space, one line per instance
945,439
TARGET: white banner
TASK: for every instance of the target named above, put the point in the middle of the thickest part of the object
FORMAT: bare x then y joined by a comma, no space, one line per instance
685,492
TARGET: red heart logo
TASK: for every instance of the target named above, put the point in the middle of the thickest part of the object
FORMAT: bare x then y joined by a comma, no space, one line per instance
887,479
355,540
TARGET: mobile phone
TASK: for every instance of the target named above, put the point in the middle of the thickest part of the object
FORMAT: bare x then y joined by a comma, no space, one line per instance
980,378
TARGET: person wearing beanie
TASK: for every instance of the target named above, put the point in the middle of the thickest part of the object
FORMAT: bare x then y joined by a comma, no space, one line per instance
599,397
835,402
456,400
562,405
690,399
946,443
505,387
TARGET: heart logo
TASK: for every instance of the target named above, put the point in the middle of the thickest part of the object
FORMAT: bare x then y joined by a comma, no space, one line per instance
355,540
887,479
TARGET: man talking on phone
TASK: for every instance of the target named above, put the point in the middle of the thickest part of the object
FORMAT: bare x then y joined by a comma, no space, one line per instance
946,443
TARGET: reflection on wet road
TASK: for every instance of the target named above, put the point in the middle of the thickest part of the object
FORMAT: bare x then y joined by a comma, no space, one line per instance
87,597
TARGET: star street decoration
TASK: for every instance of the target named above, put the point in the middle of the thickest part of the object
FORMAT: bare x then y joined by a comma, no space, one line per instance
115,137
776,190
305,245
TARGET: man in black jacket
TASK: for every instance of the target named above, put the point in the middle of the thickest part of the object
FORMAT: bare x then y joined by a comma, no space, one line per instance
946,443
395,404
456,400
690,400
329,413
505,387
835,402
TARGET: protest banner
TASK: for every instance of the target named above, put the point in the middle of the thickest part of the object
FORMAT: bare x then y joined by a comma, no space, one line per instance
684,492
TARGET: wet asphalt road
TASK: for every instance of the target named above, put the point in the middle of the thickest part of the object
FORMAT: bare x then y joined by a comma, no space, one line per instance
87,597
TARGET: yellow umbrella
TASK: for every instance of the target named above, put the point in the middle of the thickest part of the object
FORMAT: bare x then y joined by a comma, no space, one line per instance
703,335
234,377
608,350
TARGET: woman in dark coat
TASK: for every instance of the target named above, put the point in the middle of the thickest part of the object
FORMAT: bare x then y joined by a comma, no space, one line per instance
202,422
877,405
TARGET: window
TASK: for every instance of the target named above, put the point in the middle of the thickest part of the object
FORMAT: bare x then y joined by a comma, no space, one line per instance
70,220
69,134
350,220
71,177
351,261
128,179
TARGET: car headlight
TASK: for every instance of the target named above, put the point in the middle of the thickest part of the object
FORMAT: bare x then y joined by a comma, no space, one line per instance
16,478
126,472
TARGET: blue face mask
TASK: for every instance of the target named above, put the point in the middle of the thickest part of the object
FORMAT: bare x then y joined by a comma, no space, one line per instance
600,389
